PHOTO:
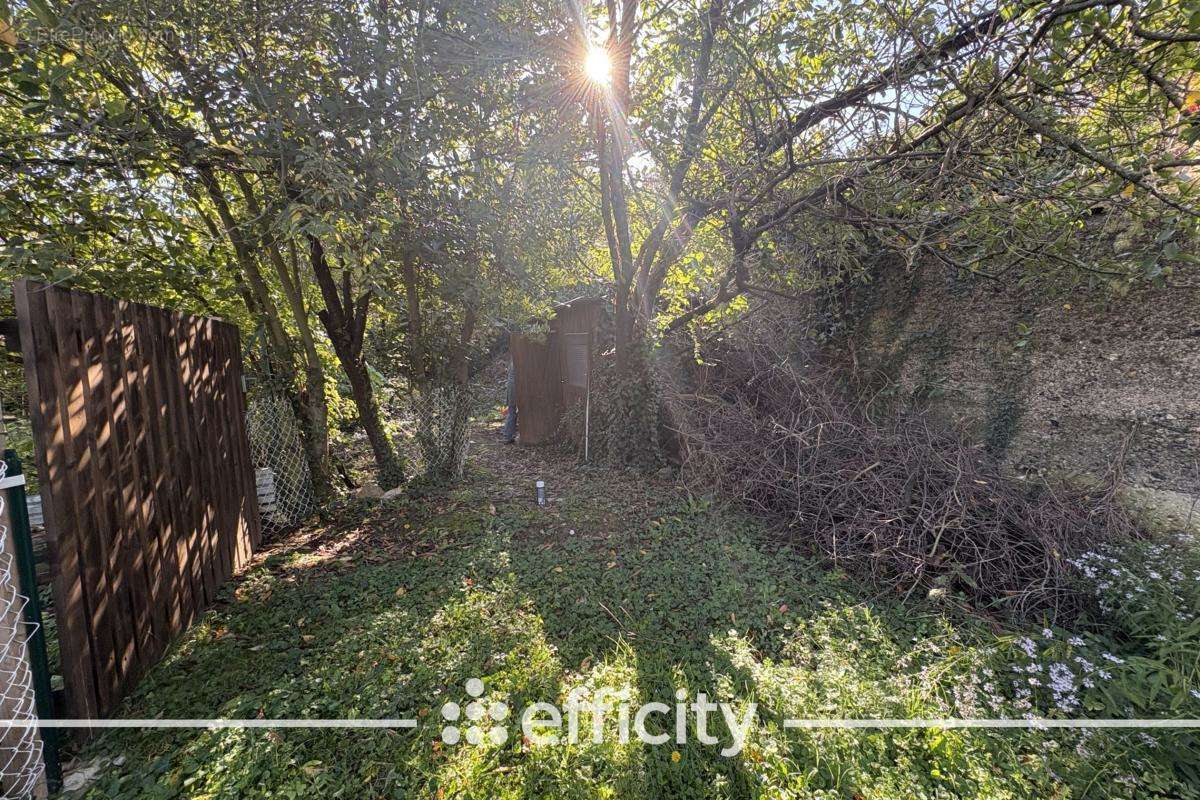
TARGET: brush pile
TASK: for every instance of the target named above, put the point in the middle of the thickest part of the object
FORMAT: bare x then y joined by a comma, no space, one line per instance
901,498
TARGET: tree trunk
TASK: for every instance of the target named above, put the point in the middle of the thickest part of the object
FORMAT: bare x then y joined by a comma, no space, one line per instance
313,407
633,431
414,329
616,230
388,464
345,320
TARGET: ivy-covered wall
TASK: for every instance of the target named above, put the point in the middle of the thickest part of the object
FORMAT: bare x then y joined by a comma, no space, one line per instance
1051,380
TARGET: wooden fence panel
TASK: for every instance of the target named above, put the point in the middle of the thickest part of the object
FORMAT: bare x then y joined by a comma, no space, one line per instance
148,490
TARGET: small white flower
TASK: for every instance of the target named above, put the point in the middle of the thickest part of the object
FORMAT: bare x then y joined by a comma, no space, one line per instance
1075,641
1062,678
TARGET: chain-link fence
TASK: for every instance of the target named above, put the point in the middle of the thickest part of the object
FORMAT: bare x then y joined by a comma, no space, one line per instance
282,478
437,426
20,747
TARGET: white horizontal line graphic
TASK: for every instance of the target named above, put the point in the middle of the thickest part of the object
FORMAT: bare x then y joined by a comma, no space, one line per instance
208,723
1034,722
1028,723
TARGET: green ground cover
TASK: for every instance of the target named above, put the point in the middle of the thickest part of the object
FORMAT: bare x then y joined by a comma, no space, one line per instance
622,582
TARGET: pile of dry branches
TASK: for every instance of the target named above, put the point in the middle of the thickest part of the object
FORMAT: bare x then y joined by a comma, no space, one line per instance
900,497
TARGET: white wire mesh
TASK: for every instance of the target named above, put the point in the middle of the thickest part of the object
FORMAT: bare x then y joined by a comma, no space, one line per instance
284,484
20,748
438,422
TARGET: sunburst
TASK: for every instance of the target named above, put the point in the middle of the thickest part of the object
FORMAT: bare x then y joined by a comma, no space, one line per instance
597,66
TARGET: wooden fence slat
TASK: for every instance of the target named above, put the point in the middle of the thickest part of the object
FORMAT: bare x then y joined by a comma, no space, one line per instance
170,592
139,540
220,449
237,442
223,447
185,462
158,496
101,603
203,429
249,519
147,482
245,496
196,430
70,603
98,436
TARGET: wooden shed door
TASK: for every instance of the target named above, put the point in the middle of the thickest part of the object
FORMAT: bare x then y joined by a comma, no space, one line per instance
538,399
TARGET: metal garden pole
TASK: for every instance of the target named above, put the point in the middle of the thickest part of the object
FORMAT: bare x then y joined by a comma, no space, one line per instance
27,579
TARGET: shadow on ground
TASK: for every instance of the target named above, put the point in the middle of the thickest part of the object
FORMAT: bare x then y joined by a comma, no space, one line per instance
620,583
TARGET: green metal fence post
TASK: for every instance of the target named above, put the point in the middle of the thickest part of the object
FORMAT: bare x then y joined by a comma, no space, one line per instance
39,663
